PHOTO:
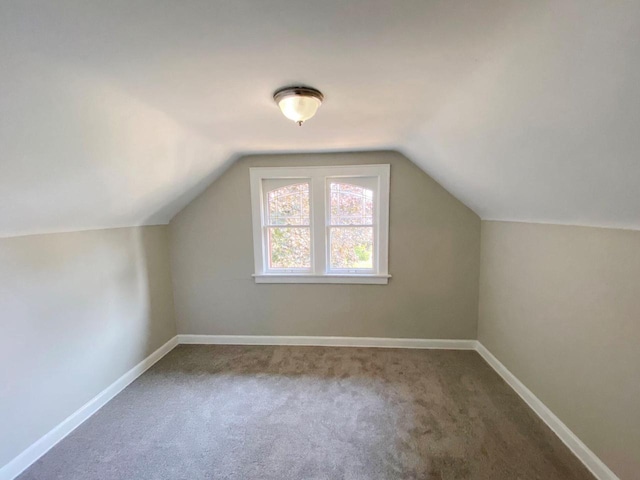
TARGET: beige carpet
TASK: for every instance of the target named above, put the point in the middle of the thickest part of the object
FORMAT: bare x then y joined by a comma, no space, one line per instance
292,413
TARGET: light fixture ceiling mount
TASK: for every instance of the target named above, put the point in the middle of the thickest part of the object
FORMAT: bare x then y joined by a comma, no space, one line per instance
298,103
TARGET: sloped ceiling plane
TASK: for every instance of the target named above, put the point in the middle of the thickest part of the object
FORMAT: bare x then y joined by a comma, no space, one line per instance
119,113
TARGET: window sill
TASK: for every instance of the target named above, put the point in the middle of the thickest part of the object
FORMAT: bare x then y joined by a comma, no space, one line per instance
335,278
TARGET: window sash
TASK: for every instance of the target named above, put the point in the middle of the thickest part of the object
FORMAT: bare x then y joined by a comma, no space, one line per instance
365,182
355,270
268,186
268,256
271,185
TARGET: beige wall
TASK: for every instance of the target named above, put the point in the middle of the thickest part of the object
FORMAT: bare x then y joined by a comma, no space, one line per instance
78,310
434,260
560,308
558,305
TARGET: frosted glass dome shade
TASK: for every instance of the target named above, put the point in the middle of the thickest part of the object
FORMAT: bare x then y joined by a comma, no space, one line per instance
298,104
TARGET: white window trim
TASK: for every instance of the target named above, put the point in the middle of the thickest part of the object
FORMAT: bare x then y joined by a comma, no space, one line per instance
317,177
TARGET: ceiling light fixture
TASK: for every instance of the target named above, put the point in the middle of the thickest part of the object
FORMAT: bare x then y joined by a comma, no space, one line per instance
298,103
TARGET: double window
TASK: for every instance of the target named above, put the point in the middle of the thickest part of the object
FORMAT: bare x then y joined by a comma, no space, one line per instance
321,224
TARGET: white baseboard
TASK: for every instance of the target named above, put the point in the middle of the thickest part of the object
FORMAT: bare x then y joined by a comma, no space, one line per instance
579,449
48,441
327,341
19,464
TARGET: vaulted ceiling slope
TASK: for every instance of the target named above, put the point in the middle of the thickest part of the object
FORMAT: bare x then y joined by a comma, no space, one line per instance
119,113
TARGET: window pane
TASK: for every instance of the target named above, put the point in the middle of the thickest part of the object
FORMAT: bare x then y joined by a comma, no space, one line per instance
288,205
350,204
351,247
289,247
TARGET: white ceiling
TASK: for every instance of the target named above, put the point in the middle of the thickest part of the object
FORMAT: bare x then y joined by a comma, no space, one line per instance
119,113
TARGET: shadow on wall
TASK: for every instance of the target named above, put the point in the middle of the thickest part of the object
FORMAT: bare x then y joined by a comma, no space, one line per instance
176,203
78,311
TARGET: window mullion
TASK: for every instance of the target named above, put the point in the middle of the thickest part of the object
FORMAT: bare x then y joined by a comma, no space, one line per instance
318,222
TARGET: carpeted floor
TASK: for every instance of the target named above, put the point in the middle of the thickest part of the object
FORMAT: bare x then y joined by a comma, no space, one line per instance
293,413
